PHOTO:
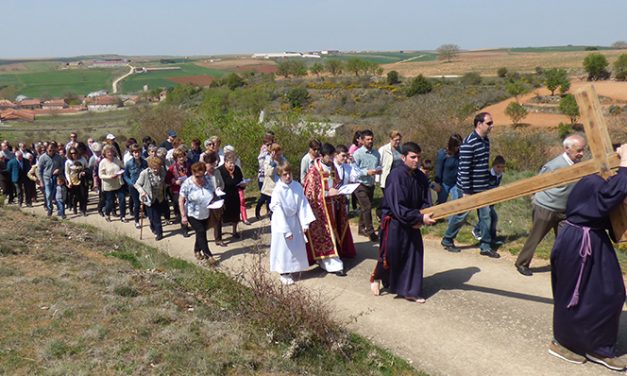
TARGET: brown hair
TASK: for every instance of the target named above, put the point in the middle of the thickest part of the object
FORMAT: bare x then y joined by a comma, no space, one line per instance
154,162
230,156
134,148
275,147
285,166
211,157
178,153
199,167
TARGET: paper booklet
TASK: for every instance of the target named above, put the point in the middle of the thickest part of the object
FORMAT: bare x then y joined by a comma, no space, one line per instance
216,204
348,189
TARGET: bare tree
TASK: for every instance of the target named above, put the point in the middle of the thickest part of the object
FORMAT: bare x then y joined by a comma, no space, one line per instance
448,52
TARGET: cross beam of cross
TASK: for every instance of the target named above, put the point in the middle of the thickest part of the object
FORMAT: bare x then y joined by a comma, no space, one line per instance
604,159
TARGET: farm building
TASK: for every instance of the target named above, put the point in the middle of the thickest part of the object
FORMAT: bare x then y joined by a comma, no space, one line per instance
17,115
103,103
29,104
6,104
54,104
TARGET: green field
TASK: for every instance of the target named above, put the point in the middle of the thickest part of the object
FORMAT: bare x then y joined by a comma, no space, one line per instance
43,79
569,48
160,79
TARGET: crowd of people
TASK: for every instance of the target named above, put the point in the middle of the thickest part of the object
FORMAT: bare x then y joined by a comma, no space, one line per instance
202,188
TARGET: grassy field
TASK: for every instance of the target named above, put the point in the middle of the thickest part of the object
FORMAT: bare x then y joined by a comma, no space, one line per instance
88,124
569,48
41,80
158,79
386,57
74,300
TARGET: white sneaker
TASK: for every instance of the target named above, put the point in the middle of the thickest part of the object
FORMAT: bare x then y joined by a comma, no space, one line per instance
287,279
476,234
137,225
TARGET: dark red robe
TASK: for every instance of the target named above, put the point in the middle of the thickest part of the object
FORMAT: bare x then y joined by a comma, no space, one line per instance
329,235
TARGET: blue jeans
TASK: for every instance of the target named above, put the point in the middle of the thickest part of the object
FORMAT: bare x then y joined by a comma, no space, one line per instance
136,202
50,189
494,218
444,192
456,222
109,196
60,208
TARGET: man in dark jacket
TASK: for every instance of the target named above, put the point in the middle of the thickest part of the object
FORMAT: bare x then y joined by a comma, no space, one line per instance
18,167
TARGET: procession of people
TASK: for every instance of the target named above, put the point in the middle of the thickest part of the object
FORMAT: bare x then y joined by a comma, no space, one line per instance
310,219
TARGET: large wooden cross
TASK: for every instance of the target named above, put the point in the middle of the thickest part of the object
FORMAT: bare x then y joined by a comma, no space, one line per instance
604,159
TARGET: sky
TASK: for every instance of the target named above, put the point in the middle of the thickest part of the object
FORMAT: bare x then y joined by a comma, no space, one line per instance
65,28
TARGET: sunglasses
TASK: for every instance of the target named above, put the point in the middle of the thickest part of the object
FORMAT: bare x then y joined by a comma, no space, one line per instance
490,123
199,176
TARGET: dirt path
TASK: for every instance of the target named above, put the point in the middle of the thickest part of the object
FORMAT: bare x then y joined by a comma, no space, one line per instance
481,317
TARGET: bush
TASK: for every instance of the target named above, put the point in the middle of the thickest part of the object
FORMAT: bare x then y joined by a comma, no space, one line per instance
526,149
615,110
564,130
620,68
501,72
556,78
298,97
233,81
595,65
471,78
392,77
516,87
568,106
419,85
516,112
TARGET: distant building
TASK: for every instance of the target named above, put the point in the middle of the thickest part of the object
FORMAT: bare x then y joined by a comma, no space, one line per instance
329,52
109,63
283,55
6,104
54,104
98,93
103,103
17,115
29,104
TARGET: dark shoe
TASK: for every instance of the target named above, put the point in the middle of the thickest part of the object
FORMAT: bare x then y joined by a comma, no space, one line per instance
220,243
236,235
614,363
84,214
185,233
341,273
246,223
490,253
75,211
102,214
522,269
374,237
49,213
158,237
563,353
450,247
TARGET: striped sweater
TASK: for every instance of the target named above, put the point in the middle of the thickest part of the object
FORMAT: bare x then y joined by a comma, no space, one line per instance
473,172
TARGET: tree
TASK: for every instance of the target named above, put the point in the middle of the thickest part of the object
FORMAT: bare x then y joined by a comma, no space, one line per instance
595,65
298,68
516,88
355,65
316,69
556,78
501,72
333,66
233,81
568,106
620,68
448,52
393,78
419,85
516,112
298,97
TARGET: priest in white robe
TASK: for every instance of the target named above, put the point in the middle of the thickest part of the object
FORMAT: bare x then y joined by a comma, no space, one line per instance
291,216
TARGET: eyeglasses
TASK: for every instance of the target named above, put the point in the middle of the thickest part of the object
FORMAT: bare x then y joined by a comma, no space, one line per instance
490,123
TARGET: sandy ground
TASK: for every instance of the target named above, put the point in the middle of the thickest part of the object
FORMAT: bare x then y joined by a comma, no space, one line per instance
612,89
481,317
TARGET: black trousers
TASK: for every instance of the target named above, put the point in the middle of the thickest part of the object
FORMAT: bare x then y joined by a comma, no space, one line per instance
200,227
155,211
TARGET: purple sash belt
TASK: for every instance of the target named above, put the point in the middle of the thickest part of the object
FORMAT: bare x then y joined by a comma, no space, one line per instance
584,251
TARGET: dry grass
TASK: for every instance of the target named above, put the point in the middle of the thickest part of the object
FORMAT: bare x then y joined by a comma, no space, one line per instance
487,62
76,301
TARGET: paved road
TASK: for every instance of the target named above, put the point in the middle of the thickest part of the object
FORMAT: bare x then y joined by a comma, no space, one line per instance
481,317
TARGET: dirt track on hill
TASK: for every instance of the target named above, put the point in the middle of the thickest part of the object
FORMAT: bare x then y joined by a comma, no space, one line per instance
481,317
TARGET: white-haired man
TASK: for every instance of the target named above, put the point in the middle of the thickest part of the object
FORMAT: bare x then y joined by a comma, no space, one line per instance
549,206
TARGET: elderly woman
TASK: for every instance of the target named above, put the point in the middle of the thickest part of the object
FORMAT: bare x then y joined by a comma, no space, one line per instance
194,198
76,178
132,168
232,176
215,215
110,172
151,188
177,173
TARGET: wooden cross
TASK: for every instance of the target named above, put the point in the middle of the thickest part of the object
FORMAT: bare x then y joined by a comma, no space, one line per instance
604,159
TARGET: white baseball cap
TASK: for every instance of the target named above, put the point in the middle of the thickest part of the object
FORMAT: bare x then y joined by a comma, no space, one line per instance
110,137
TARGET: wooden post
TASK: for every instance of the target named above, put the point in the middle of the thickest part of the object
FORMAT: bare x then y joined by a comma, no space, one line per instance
604,160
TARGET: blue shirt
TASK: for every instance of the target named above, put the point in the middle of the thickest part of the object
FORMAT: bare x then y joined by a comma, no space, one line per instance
473,173
367,160
446,168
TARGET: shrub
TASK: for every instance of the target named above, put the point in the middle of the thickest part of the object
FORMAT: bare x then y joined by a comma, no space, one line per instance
419,85
298,97
233,81
516,112
526,149
564,130
501,72
392,78
316,69
556,78
620,68
516,87
615,110
334,67
471,78
568,106
595,65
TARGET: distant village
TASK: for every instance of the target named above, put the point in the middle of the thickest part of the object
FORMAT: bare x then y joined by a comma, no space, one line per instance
28,109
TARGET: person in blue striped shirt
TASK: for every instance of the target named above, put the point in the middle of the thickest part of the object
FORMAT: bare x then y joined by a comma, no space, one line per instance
473,176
